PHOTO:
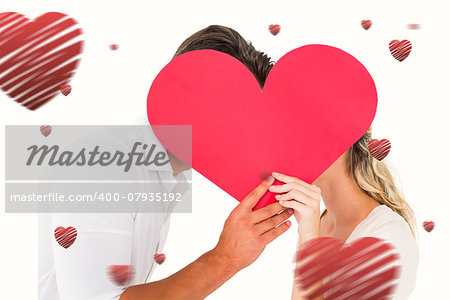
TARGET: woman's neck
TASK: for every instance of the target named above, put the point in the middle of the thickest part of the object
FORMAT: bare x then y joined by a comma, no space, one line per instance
346,204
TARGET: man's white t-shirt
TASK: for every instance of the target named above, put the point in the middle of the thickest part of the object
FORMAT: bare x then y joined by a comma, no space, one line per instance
384,223
103,239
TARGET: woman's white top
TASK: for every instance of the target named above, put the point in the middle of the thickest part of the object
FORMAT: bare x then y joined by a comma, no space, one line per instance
384,223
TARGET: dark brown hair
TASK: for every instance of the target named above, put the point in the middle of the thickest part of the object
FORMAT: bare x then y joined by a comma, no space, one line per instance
229,41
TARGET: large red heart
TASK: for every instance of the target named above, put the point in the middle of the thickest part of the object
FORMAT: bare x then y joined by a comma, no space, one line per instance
365,269
318,100
37,57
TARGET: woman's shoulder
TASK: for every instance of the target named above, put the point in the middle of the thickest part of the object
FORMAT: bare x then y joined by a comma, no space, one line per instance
386,224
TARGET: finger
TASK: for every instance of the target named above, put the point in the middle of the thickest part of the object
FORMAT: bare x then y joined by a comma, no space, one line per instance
253,197
297,196
274,221
266,212
283,188
287,179
295,205
270,235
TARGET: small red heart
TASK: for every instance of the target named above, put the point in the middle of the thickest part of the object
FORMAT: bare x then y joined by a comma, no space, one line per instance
121,274
65,89
379,149
114,46
274,29
46,130
364,267
366,24
65,236
159,258
400,50
428,225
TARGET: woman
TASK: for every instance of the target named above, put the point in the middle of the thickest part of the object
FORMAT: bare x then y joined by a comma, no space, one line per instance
361,200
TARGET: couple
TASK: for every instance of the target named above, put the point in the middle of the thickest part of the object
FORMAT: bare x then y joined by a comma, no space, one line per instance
359,193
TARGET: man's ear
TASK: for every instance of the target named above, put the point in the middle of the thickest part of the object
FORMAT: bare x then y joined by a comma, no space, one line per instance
177,164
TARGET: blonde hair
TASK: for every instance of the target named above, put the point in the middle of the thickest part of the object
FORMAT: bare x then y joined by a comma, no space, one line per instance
375,179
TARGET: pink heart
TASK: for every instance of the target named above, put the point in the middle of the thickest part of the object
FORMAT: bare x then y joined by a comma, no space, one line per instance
121,274
65,236
366,24
317,102
65,89
46,130
38,56
365,269
428,225
274,29
159,258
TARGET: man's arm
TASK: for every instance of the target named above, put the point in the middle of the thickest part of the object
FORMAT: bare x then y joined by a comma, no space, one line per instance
244,237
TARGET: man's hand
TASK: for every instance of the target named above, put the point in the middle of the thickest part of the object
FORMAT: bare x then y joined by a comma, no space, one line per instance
246,233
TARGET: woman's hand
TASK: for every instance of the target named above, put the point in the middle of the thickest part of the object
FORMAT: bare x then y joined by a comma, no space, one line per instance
304,199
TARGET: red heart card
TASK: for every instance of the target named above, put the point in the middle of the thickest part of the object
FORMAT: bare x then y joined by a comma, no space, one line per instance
317,101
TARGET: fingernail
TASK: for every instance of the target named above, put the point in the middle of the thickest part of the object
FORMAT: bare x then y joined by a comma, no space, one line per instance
271,188
288,223
290,211
270,179
277,197
274,173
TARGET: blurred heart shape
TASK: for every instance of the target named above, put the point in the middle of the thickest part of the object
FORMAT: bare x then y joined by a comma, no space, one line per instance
366,24
274,29
367,268
46,130
428,226
121,274
159,258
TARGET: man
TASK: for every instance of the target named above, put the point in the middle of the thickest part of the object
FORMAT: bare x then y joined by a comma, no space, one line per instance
133,239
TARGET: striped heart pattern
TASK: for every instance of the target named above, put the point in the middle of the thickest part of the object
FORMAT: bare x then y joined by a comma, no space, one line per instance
121,274
428,226
65,236
379,148
37,57
400,50
46,130
366,24
365,269
159,258
274,29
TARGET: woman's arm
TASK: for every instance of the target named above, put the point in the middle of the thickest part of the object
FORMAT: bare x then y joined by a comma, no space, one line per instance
305,200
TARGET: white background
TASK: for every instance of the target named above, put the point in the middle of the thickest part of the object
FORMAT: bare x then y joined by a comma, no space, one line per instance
111,87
